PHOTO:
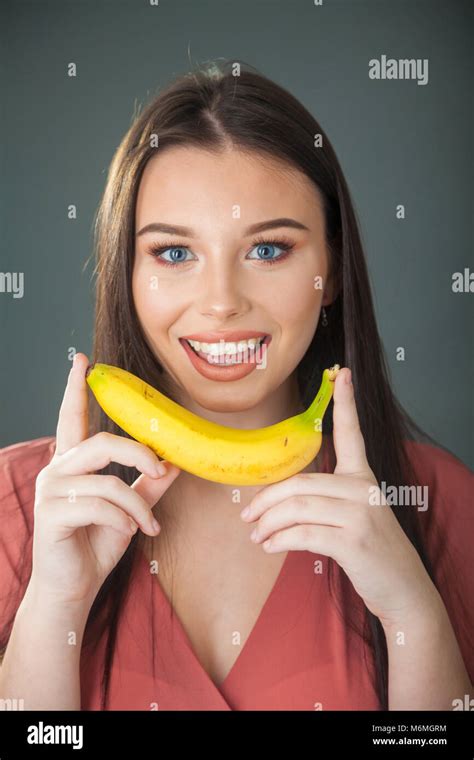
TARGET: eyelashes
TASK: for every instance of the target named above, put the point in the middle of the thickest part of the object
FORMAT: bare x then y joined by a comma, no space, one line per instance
284,243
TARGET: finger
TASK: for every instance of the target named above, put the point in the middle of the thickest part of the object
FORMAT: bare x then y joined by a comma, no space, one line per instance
101,449
151,490
319,539
73,417
110,488
65,518
317,483
349,445
299,510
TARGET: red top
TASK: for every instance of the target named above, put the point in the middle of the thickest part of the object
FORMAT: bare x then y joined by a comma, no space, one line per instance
300,655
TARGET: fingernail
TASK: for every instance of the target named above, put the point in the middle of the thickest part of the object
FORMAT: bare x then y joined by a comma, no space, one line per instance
74,359
133,526
161,469
245,512
348,378
155,525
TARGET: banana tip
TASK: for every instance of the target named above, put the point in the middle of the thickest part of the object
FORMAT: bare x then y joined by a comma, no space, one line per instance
89,369
333,372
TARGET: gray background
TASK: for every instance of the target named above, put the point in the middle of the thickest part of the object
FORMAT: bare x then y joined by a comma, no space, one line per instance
398,142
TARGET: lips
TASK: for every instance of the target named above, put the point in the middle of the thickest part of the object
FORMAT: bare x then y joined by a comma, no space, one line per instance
242,353
224,372
229,336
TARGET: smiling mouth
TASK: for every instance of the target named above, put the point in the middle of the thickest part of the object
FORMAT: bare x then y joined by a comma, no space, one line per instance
228,353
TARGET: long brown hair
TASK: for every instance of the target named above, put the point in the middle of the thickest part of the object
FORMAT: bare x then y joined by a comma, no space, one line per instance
214,108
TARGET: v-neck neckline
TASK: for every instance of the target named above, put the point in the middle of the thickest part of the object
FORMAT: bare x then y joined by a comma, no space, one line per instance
249,641
328,460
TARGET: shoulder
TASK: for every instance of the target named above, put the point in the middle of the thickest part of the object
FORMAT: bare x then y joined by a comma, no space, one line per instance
447,515
20,464
38,449
438,464
449,483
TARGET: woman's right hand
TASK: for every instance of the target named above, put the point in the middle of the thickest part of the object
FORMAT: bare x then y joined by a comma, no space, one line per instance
84,522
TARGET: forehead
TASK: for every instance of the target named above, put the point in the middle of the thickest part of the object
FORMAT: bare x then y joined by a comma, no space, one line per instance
187,180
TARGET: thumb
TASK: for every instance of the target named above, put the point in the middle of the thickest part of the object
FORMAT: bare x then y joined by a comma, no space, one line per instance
349,445
152,489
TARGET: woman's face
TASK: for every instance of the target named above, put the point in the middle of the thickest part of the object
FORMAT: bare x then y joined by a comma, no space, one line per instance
221,277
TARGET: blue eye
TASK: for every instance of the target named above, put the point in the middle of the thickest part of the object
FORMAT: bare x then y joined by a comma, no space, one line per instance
264,247
266,250
159,252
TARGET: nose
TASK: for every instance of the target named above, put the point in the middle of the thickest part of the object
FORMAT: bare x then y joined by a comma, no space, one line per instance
223,292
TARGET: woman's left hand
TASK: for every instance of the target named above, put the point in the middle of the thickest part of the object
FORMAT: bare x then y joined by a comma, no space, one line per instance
345,516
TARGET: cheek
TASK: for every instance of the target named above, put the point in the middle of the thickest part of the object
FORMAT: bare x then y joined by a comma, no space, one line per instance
298,306
154,303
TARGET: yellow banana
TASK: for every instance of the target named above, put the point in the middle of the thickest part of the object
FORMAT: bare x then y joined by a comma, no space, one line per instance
206,449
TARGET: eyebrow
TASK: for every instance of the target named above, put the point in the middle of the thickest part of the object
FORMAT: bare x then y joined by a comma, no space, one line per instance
175,229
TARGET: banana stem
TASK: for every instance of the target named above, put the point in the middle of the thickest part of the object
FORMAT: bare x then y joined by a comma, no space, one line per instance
315,412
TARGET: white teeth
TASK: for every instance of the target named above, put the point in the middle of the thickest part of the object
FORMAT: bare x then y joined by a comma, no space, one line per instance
216,349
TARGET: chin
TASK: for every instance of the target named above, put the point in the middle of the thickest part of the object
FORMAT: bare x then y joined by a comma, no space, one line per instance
231,402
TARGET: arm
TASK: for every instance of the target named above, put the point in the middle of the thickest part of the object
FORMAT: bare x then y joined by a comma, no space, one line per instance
77,542
426,669
346,516
40,664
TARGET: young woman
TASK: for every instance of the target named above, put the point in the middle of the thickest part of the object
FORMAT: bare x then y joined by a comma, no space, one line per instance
226,216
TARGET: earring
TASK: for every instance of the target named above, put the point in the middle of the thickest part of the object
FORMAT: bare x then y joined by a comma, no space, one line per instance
324,320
